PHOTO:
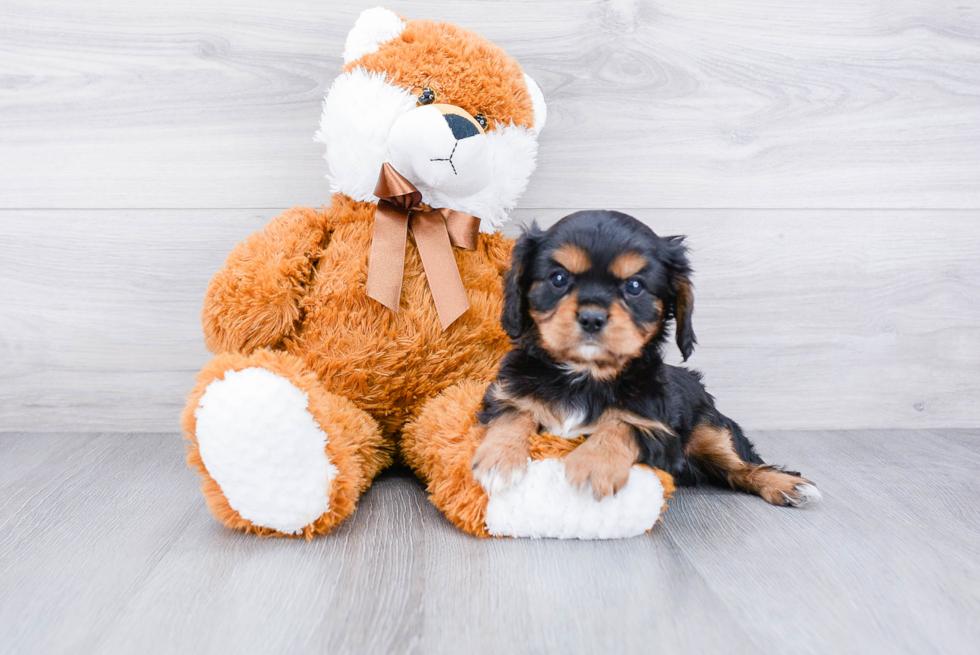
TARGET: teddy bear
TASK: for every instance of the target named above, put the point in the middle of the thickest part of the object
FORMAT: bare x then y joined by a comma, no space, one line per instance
369,329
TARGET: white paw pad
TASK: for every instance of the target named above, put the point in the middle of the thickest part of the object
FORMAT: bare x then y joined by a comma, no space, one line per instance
543,504
265,450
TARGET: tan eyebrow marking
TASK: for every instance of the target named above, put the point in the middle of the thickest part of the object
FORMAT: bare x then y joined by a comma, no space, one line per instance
627,265
572,257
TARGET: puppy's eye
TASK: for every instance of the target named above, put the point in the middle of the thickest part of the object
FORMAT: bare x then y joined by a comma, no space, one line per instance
560,280
427,97
634,287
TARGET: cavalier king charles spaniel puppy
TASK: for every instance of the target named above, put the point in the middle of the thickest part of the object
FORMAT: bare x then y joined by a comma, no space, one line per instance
587,304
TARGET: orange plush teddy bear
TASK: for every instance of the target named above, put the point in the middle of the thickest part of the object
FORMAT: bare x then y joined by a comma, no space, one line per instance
372,327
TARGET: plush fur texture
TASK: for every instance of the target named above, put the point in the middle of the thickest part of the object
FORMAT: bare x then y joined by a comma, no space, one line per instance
358,113
423,147
478,76
313,264
543,504
380,86
355,447
538,105
261,444
371,30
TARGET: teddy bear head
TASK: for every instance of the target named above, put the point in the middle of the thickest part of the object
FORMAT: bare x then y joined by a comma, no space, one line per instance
449,110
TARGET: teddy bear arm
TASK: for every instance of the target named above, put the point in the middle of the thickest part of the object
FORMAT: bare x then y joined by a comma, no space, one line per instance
254,300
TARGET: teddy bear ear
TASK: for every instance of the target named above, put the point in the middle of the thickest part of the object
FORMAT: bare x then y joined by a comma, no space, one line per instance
371,29
537,102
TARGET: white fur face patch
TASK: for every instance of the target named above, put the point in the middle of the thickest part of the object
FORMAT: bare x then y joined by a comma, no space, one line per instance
543,504
265,450
359,112
424,147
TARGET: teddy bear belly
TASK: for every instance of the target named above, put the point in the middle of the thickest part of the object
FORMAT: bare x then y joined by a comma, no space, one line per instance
390,381
389,363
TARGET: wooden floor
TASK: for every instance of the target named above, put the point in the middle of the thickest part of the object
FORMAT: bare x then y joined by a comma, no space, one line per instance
107,546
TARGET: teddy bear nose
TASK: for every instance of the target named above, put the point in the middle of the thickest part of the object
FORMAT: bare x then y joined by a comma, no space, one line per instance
592,319
461,127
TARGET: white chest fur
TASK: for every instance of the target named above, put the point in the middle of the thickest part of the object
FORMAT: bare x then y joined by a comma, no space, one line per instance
565,424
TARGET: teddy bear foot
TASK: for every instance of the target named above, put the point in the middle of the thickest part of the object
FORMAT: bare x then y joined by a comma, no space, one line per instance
260,443
271,452
543,504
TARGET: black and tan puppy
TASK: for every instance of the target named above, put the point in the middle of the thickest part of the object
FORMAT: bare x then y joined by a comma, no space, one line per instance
587,304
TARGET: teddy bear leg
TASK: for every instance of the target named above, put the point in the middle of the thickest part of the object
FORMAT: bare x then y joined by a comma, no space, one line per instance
278,454
440,442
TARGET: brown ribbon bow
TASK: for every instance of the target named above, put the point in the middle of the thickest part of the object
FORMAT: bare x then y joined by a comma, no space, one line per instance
436,231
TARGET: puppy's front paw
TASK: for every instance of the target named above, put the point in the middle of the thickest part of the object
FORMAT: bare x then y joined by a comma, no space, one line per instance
596,467
497,466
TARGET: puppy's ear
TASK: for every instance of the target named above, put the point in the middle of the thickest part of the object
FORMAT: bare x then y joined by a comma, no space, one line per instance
516,319
679,270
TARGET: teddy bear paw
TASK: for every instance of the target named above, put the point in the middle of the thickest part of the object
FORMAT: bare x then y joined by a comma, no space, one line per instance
260,443
544,504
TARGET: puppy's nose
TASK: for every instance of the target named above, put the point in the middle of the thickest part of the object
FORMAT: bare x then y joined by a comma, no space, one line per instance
592,319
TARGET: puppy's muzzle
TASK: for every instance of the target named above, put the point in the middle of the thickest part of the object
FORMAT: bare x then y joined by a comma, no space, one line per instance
592,319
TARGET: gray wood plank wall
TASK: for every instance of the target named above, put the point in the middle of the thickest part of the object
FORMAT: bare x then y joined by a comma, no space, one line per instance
824,159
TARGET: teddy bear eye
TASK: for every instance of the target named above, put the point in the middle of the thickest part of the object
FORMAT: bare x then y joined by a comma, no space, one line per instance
482,120
427,97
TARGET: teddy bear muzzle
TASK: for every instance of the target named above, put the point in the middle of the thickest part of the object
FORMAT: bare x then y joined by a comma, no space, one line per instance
441,147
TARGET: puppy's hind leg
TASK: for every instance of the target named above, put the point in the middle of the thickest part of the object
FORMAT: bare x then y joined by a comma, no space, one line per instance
723,454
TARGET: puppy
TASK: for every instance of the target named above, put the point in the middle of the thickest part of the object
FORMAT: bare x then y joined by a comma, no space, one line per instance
587,304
